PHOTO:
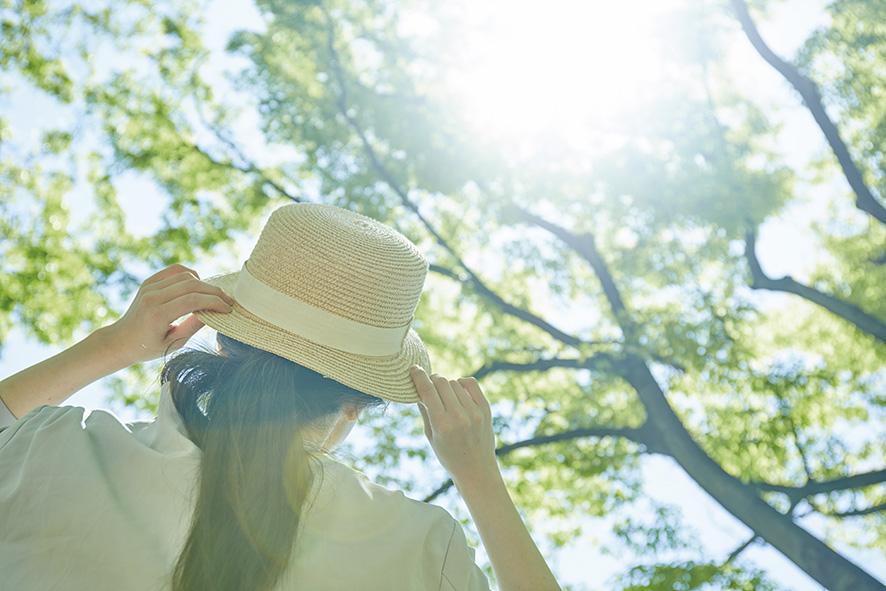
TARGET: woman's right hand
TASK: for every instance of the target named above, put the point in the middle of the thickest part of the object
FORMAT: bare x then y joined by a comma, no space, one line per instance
458,424
145,332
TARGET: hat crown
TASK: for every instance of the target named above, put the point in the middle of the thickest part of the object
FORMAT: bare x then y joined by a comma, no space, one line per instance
344,262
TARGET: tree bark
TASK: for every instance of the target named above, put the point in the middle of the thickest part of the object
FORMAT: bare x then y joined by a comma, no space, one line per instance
759,280
817,487
829,568
864,198
641,435
823,564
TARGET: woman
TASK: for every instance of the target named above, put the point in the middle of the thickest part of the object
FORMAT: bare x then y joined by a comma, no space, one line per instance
233,485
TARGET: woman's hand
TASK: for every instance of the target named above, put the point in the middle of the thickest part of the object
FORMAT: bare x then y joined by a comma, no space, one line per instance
146,332
458,424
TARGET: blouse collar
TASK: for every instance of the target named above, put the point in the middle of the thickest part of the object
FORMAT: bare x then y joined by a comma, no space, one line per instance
167,433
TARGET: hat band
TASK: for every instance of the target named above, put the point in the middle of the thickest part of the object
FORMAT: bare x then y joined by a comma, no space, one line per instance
313,323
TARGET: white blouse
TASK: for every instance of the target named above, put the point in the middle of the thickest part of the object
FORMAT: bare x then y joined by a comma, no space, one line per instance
91,503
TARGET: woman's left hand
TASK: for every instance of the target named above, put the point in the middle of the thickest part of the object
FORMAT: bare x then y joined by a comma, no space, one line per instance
146,332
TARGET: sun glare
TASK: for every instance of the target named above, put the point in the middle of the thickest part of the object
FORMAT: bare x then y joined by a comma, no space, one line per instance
551,67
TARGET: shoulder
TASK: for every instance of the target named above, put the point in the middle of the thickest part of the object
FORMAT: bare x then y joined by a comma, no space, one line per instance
351,497
344,477
62,421
445,549
38,418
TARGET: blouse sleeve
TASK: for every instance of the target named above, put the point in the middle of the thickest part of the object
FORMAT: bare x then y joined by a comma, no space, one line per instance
460,571
37,417
6,416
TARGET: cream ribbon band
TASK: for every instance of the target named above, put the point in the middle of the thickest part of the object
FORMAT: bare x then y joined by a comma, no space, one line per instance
313,323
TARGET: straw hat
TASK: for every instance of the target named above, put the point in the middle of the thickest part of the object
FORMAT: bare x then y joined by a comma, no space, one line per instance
335,291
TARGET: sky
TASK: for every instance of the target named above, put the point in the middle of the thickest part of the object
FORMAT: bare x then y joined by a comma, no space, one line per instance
785,246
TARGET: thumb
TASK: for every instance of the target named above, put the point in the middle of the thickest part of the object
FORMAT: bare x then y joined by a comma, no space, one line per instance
184,330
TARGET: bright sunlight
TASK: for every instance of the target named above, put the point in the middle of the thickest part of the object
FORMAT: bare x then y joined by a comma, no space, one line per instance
552,68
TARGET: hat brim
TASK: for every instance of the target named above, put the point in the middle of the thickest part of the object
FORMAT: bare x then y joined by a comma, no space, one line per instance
386,377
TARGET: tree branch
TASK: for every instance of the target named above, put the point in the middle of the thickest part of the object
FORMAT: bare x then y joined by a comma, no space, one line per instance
598,361
858,512
247,166
741,548
821,562
831,569
864,198
637,435
602,361
445,271
815,487
585,246
388,178
849,312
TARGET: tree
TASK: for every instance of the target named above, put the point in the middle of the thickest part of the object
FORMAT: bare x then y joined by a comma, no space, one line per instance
649,242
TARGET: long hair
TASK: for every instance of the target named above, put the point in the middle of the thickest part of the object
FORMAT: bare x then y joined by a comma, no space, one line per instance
246,409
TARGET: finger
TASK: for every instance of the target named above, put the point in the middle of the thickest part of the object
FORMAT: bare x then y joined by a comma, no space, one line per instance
170,270
450,400
191,285
472,387
425,419
466,400
169,280
191,302
184,330
426,391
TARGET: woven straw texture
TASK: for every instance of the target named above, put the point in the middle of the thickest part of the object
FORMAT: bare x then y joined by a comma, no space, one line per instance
348,264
